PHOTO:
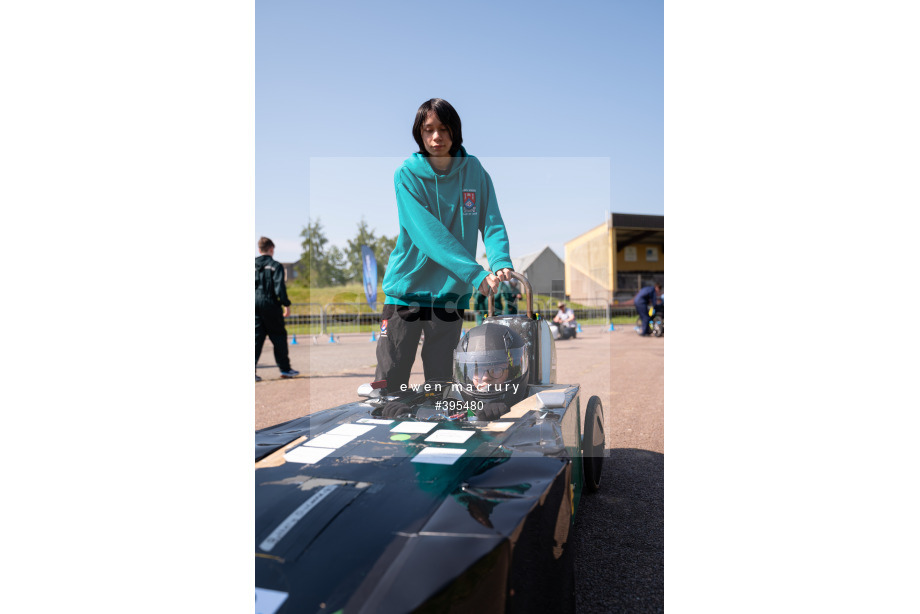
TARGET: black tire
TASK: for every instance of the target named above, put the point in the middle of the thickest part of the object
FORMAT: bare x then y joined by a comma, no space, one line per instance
593,444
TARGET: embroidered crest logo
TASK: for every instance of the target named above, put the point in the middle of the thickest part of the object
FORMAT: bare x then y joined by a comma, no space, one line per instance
469,202
383,327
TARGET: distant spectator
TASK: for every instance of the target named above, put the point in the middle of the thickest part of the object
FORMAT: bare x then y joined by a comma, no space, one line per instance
565,319
272,306
510,292
480,306
645,298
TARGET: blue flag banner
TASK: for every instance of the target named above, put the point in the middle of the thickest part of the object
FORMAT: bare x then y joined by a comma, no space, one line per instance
370,276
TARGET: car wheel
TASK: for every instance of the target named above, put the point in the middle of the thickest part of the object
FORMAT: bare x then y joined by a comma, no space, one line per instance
593,444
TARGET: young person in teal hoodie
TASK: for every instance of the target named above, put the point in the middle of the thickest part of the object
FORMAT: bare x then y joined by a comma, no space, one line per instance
445,199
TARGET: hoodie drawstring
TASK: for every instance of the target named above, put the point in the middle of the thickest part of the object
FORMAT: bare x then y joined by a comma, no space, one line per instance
462,223
437,197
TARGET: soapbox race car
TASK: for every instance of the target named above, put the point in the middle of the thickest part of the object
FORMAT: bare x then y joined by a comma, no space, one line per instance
428,511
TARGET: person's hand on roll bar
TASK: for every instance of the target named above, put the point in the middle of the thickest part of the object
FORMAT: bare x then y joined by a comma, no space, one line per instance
489,285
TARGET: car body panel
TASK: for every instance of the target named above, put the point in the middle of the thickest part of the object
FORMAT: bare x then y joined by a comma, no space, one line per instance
354,528
355,513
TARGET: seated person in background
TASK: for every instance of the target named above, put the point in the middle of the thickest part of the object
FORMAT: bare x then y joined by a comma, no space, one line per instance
565,318
490,370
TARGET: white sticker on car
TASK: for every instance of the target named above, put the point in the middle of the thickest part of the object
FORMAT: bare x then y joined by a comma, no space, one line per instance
355,430
449,436
303,454
439,456
268,601
328,440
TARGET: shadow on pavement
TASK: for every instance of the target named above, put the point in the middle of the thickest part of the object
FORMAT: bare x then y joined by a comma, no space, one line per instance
619,537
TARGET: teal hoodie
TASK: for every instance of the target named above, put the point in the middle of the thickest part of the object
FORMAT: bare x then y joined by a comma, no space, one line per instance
440,218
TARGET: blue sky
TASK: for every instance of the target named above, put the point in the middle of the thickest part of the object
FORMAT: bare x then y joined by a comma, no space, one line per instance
562,103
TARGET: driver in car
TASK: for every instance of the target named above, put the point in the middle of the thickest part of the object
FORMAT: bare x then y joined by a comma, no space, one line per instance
490,371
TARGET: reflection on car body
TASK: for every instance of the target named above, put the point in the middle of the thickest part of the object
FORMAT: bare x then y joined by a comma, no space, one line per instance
355,513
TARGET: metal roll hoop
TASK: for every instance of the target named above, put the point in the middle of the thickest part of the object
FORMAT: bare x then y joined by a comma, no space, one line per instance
527,287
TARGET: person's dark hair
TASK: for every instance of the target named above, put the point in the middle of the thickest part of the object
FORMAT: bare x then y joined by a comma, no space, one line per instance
448,116
265,244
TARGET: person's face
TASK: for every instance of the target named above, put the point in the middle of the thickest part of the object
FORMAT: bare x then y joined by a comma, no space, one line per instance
496,374
436,136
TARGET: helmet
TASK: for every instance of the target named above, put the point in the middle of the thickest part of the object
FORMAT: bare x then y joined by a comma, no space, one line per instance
491,364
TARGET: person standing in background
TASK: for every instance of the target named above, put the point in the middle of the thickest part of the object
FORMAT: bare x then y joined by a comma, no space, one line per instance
480,306
272,306
510,293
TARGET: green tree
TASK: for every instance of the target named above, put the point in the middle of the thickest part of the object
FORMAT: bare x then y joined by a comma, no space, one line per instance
381,246
336,270
354,262
313,264
385,246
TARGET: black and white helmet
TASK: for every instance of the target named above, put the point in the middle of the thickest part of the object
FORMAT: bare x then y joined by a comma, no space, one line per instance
491,364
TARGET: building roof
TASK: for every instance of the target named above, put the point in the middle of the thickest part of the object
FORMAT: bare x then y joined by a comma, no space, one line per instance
631,220
631,228
521,263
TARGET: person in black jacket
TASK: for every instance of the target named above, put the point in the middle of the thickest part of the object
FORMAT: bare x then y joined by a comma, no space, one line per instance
645,298
272,306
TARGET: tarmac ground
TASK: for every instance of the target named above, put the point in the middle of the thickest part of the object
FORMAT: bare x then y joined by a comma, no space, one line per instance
618,539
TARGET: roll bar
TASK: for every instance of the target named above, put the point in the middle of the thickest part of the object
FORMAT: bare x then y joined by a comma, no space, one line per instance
527,287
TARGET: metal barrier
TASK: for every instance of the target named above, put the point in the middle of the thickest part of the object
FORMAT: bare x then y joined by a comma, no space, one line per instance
598,308
338,317
314,318
302,317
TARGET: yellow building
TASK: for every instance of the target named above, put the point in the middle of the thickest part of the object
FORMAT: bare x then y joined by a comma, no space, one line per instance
609,263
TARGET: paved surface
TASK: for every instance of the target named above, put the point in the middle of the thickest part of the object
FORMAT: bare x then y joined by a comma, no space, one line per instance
619,531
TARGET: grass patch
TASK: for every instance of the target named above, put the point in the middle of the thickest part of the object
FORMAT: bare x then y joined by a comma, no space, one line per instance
353,294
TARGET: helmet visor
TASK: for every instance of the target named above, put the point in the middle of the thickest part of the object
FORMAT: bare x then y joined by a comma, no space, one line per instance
487,371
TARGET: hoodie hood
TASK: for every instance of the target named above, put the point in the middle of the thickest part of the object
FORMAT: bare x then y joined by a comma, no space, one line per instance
421,166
